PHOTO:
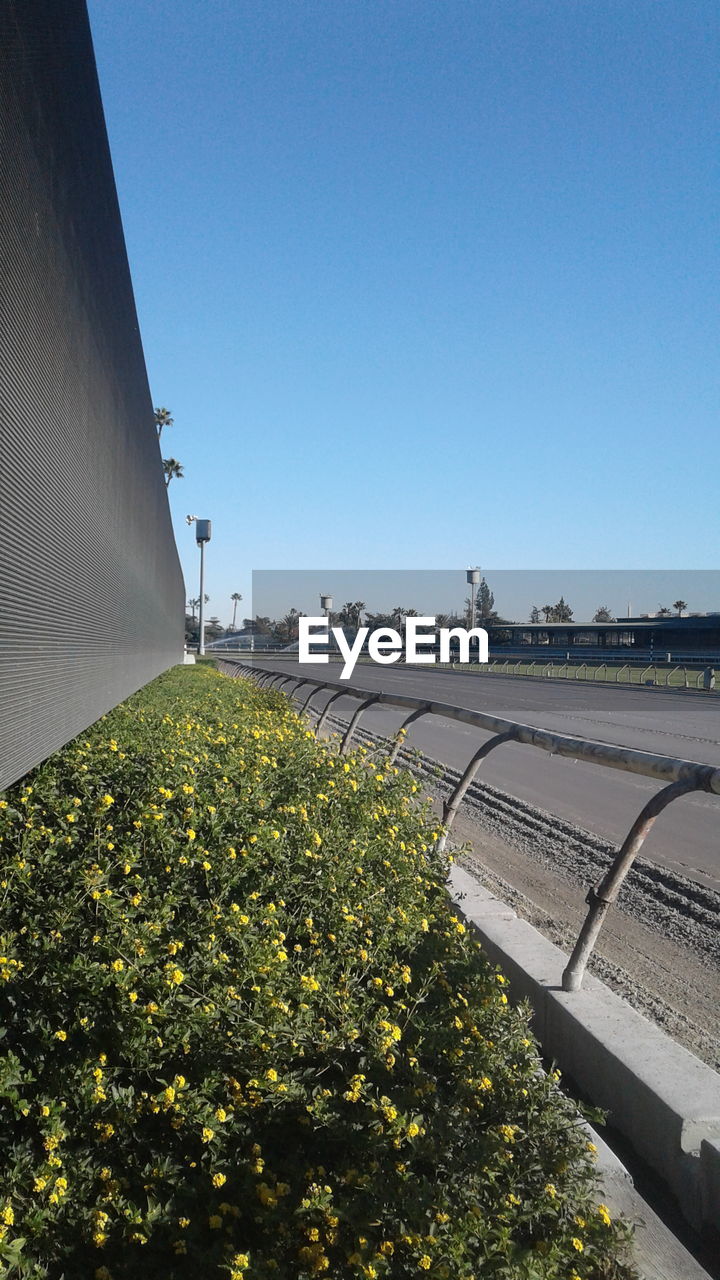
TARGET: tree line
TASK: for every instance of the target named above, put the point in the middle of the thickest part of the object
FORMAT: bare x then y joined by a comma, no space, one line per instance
354,614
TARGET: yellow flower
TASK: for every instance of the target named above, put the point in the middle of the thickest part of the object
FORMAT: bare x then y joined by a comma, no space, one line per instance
190,833
219,1180
577,1244
425,1262
207,1134
604,1214
106,801
61,1035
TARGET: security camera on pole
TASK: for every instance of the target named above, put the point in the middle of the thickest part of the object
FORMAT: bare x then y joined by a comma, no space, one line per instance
473,578
203,531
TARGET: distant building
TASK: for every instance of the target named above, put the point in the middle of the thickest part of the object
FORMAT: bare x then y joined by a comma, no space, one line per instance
685,639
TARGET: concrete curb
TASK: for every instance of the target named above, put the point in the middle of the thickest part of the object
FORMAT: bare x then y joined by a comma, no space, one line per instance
656,1093
656,1252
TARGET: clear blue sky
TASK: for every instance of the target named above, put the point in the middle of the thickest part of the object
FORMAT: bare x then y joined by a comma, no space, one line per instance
426,283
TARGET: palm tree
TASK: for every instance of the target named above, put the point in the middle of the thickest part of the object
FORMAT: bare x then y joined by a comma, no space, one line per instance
193,605
163,418
680,605
236,598
289,625
399,614
172,469
664,612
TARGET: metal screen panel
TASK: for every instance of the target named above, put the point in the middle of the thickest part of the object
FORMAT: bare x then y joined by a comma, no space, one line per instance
91,592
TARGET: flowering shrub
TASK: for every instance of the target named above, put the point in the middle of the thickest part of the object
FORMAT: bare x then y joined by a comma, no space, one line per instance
244,1034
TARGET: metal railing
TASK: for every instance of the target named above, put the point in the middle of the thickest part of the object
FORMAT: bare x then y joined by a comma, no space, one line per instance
679,776
664,676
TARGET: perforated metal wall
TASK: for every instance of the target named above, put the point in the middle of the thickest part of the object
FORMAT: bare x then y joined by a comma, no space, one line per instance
91,592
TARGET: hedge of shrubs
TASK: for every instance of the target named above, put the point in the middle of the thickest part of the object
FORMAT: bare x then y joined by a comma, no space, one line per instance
243,1035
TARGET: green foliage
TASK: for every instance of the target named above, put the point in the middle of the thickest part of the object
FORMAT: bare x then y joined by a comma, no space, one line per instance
245,1035
560,612
173,470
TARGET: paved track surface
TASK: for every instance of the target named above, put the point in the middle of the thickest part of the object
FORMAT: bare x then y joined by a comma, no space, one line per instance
685,838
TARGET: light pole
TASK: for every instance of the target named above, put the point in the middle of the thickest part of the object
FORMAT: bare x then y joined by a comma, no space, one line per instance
203,530
473,577
326,606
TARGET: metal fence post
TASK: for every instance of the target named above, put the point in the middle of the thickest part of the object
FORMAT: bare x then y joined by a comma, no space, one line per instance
452,805
354,722
311,694
601,899
324,713
400,735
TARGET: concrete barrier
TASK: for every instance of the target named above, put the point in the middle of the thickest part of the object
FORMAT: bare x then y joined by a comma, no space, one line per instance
656,1093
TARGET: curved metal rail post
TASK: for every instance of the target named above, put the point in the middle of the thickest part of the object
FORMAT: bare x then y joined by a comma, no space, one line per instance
400,735
306,703
293,693
451,806
601,899
288,680
326,708
354,722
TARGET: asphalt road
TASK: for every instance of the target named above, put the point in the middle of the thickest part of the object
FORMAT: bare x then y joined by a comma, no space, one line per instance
687,835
